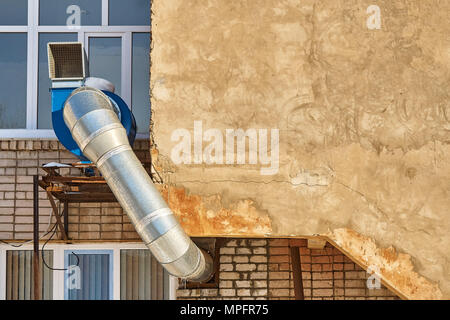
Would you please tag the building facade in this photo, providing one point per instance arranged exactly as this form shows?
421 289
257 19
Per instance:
310 118
340 214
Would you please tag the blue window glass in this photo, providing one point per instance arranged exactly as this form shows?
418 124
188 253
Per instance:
88 275
129 13
44 84
13 12
67 12
141 81
105 60
13 80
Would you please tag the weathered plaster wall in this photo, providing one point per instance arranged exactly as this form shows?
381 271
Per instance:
364 119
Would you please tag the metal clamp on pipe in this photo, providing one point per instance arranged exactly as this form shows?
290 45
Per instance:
95 127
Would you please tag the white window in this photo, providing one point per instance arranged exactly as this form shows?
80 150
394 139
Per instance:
115 34
123 271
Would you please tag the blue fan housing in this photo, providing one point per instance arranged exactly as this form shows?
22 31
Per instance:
59 97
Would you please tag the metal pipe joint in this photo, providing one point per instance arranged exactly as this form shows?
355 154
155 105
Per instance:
91 118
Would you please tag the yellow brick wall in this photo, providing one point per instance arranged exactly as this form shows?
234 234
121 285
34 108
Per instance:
19 161
259 269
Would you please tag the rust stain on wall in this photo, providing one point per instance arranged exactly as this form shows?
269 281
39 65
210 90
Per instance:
206 216
396 269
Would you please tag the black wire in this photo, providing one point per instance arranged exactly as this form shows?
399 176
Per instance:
28 241
12 245
42 252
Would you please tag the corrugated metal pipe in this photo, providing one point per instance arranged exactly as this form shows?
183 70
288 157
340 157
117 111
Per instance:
90 116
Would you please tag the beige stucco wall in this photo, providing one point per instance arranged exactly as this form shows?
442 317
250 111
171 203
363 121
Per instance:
364 120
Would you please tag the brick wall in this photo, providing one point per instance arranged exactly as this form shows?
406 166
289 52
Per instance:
281 284
243 272
262 269
19 161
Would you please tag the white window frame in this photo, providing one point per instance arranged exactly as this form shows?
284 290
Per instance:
127 47
108 252
58 262
32 30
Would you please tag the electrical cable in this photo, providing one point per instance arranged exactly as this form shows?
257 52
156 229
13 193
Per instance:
28 241
53 229
23 243
42 253
13 245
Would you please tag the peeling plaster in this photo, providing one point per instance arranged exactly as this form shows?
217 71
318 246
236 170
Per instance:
204 216
396 269
363 117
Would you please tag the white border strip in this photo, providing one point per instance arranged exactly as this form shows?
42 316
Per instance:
2 273
41 134
116 273
93 29
105 12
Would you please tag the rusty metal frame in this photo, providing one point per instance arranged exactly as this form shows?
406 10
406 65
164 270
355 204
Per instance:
73 189
63 189
36 269
66 189
57 216
297 272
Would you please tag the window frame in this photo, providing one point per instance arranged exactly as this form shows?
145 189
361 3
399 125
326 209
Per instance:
110 254
33 29
127 49
59 252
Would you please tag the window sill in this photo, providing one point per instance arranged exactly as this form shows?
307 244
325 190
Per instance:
40 134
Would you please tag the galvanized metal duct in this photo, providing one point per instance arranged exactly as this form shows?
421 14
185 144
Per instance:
90 116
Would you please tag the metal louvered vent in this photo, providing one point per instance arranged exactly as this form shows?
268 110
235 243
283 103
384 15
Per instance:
66 60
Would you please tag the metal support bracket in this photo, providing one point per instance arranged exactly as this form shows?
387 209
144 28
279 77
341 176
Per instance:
61 227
